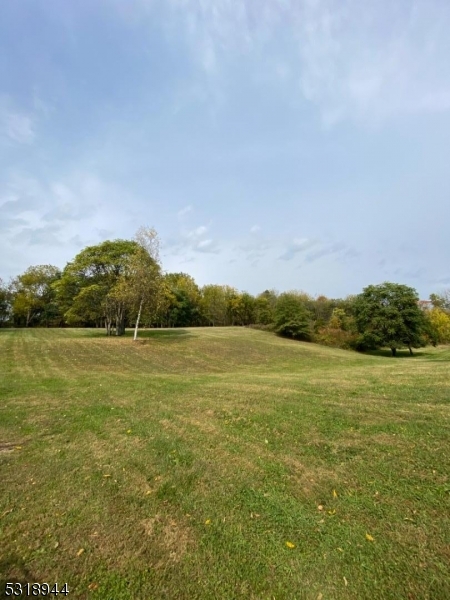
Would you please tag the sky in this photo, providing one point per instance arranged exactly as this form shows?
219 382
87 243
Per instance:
273 144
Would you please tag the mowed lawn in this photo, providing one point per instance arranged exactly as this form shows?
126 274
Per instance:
222 463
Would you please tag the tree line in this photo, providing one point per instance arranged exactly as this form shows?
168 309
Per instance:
120 283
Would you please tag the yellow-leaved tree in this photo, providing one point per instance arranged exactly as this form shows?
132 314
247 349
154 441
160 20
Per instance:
440 321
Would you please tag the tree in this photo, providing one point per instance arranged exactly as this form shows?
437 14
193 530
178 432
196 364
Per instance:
265 305
142 280
440 323
5 303
87 306
291 317
338 319
388 315
441 301
242 308
89 289
33 296
182 300
214 304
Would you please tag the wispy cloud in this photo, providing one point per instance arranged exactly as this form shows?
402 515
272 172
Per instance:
15 125
352 59
192 241
371 60
52 214
297 246
184 211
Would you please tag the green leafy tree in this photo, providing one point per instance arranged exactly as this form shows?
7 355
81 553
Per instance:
388 315
441 301
292 319
338 319
321 309
182 299
87 306
33 296
265 305
243 308
5 304
214 304
99 268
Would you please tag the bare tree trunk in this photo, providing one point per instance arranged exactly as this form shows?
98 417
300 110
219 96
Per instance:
108 324
136 327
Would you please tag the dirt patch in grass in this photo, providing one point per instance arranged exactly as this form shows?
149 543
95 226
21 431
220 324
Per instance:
10 447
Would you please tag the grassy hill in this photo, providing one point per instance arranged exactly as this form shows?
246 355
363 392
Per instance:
222 463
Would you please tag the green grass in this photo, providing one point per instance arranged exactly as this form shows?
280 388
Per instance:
182 465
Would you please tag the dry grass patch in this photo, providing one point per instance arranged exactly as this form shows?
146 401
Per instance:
171 534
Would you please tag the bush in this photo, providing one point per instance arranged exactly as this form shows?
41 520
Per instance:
336 338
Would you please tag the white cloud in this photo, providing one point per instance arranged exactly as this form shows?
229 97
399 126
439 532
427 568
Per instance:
192 241
196 233
204 244
255 229
68 214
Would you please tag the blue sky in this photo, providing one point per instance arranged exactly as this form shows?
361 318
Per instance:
272 144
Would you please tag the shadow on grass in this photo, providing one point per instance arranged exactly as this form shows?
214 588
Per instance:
14 571
400 353
164 335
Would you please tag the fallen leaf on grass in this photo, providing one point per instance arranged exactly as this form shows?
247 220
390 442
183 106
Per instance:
93 586
345 581
335 494
290 545
369 537
320 507
80 551
208 522
107 475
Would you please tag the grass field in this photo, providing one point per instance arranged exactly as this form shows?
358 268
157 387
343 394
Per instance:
222 463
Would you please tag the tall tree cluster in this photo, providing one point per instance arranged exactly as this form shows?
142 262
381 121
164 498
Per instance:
120 283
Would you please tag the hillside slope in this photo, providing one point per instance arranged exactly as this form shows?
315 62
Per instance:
222 463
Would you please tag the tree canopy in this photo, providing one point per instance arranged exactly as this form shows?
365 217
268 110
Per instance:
89 289
291 316
388 315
